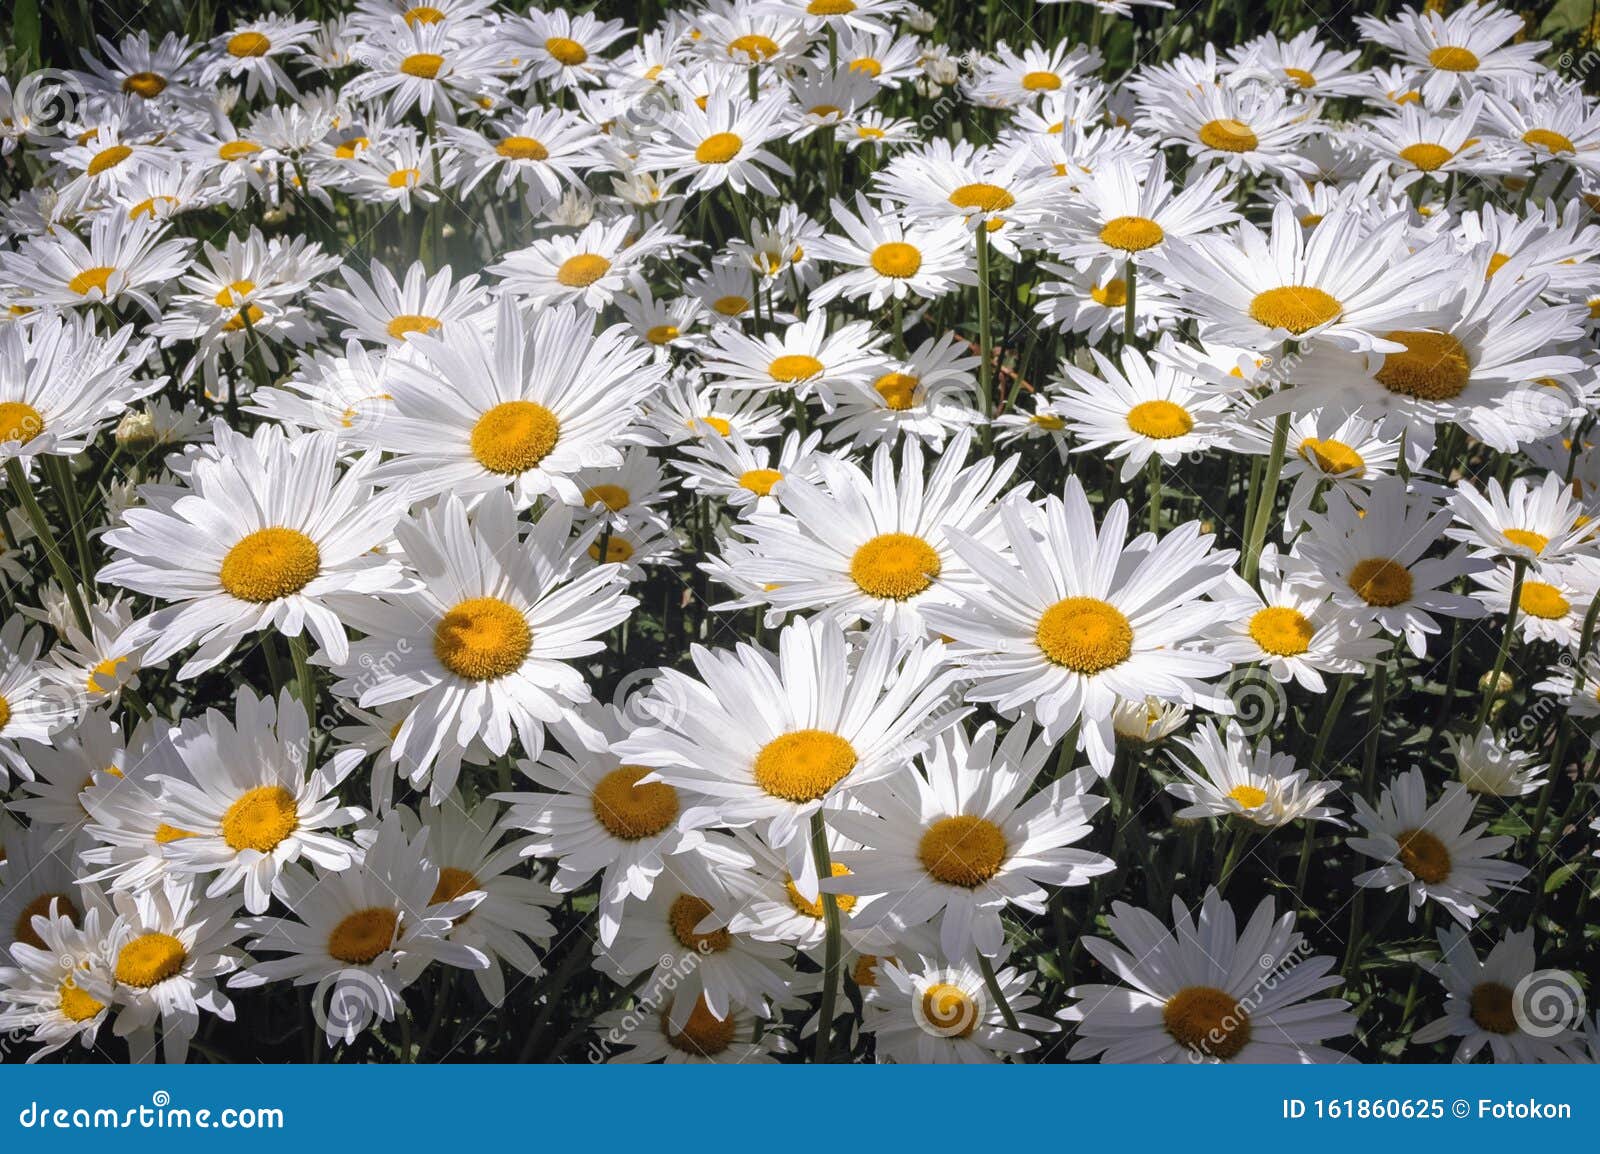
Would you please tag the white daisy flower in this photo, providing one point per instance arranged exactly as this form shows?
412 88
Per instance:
1257 785
1481 996
1487 765
59 991
924 1011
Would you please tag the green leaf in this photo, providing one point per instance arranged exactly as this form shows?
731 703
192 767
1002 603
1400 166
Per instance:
27 33
1560 877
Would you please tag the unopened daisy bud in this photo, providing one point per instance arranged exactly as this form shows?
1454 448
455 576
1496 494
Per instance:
1142 723
1498 689
136 431
921 20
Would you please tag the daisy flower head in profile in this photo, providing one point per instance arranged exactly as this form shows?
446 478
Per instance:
1262 787
771 737
927 1011
255 52
62 381
1419 142
566 49
855 546
521 407
1459 51
361 935
1328 449
1207 991
1347 281
984 187
1535 521
805 357
434 68
543 151
1487 765
591 267
1372 563
385 310
745 477
30 708
1296 632
249 804
266 533
928 395
482 642
125 258
723 141
1429 849
1482 1006
1241 125
1141 410
1302 62
1129 208
736 1039
1007 78
593 814
167 948
1070 617
961 841
59 991
891 257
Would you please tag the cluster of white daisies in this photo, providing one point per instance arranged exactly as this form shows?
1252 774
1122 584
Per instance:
688 471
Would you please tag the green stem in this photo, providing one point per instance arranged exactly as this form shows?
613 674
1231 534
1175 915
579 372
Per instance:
992 984
1267 499
47 539
1518 572
1130 281
834 949
304 676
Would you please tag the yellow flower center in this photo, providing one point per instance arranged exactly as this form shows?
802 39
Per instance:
522 148
704 1035
5 720
91 280
896 259
167 834
514 437
245 44
631 811
482 638
1084 634
19 422
269 564
77 1006
1433 366
1539 599
1113 294
943 1003
868 65
1425 156
452 884
718 425
719 148
617 551
1297 308
108 158
566 51
1132 233
962 851
983 197
1041 82
1048 421
1248 796
249 315
349 148
1301 77
362 936
405 324
731 306
149 960
814 909
238 149
1159 420
898 390
686 913
1281 631
894 566
423 14
106 669
662 334
582 270
831 7
39 907
613 497
1334 457
1381 582
759 481
148 206
794 367
261 819
422 65
754 47
1449 58
1527 538
148 85
1548 140
1228 135
404 177
804 765
1207 1020
1424 855
1492 1008
865 972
